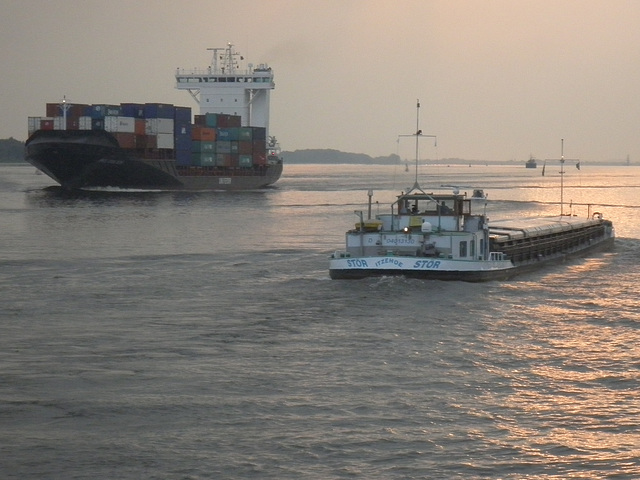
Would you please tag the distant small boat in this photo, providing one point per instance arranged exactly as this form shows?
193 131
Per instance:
531 163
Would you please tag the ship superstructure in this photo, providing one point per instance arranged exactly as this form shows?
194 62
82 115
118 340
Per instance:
227 87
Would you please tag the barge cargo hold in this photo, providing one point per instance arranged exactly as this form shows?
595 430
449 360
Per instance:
158 146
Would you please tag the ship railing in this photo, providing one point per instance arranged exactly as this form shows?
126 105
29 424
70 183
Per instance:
497 256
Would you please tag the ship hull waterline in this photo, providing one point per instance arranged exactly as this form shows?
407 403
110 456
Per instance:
93 160
353 268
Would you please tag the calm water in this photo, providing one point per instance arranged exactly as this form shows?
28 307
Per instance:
189 336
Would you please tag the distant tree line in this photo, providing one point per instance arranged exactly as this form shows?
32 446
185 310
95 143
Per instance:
336 157
11 150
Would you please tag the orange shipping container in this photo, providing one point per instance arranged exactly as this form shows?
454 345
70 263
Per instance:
125 140
140 126
203 134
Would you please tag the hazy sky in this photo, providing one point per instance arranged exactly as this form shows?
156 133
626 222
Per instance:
497 79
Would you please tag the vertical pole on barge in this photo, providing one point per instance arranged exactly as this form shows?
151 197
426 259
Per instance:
561 176
418 134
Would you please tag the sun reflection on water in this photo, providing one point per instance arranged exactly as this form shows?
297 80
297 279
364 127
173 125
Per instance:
573 370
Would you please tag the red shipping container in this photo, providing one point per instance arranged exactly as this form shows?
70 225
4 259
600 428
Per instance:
77 110
126 140
200 120
53 110
139 127
74 110
235 159
259 146
228 121
150 141
140 140
235 121
245 148
222 120
203 134
259 159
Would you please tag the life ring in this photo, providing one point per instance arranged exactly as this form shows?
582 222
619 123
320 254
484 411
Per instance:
597 216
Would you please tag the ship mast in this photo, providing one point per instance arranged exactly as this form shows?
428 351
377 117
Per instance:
64 106
562 172
417 136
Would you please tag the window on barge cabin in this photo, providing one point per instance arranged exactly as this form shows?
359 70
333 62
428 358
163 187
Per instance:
463 249
446 207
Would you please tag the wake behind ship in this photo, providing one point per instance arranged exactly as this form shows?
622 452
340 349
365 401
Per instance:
158 146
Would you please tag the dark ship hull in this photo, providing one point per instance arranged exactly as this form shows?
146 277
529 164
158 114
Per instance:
93 159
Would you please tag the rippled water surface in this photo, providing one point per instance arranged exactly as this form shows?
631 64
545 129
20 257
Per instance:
182 335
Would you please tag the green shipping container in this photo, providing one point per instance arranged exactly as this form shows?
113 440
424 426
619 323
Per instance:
245 134
203 147
203 159
211 120
245 161
223 146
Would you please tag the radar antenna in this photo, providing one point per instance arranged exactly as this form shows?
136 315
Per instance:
417 135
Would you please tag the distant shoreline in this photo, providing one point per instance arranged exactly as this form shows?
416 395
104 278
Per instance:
12 152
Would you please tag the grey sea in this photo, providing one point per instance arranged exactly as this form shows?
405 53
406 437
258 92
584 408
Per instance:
149 335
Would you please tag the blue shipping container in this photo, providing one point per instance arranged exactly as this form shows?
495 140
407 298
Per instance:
159 110
183 142
182 115
135 110
183 158
258 133
228 133
101 111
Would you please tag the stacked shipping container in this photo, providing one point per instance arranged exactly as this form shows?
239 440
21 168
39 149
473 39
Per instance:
220 141
159 130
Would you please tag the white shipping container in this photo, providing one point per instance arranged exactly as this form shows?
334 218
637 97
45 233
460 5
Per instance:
150 126
165 140
119 124
84 123
154 126
33 124
59 123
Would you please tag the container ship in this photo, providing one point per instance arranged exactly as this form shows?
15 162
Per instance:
160 146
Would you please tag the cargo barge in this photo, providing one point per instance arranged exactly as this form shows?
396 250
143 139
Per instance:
158 146
438 236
